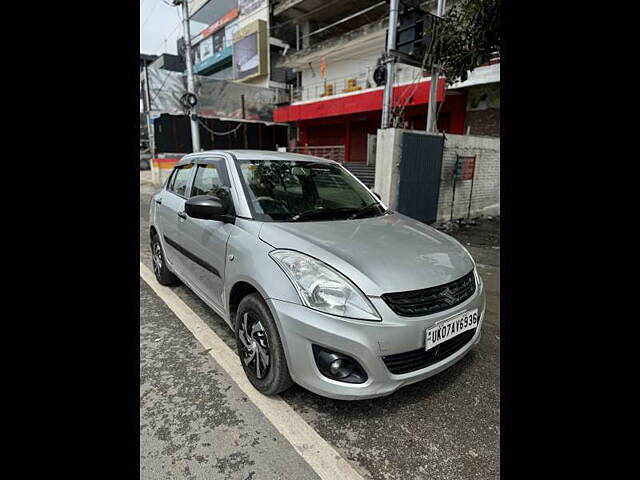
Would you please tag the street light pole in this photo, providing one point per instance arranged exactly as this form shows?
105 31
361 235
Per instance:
435 76
390 61
195 129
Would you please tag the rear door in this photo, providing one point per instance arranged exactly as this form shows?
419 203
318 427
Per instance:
170 214
205 241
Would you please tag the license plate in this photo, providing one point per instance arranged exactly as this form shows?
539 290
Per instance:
442 332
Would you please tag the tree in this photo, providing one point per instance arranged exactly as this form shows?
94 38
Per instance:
466 37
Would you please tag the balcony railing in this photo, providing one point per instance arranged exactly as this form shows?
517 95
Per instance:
351 83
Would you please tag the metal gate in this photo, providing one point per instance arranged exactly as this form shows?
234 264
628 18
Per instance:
420 169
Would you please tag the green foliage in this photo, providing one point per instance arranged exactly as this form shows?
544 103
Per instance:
467 37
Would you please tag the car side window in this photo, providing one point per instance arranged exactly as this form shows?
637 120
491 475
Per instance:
211 179
169 180
180 180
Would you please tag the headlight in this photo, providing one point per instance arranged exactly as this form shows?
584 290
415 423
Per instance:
322 288
475 267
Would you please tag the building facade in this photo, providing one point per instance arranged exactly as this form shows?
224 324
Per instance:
336 101
324 54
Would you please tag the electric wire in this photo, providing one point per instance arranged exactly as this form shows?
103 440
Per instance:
149 16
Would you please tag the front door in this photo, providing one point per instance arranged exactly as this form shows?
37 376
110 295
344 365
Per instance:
205 241
171 214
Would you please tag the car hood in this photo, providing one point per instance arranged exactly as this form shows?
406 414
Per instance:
389 253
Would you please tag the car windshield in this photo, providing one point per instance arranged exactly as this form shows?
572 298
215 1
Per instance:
301 191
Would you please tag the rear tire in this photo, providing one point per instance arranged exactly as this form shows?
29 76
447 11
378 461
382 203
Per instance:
160 268
260 348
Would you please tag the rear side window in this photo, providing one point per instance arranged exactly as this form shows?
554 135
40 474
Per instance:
180 180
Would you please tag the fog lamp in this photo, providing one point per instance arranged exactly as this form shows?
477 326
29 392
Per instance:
338 366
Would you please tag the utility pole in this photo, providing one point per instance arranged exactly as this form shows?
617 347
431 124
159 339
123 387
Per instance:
150 132
390 61
435 76
195 128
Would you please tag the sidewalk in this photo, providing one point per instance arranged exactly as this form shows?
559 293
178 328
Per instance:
146 186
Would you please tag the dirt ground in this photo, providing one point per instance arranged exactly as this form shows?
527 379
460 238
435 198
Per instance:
479 232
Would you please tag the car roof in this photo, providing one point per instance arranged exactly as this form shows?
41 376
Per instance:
258 155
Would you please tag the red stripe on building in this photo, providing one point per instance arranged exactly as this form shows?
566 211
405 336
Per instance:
357 103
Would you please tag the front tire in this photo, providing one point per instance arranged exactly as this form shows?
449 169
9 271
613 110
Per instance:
160 268
259 347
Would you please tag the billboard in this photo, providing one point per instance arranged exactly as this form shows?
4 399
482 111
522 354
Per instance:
250 51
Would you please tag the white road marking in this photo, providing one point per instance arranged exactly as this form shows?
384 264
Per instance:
322 457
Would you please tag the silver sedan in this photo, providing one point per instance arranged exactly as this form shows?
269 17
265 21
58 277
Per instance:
322 284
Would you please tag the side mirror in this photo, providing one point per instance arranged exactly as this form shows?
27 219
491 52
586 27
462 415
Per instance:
208 207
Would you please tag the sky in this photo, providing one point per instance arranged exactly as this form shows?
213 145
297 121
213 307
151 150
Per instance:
159 22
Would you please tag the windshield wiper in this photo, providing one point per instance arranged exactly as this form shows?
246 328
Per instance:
366 209
318 212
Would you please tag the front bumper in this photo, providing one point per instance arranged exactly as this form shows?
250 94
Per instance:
365 341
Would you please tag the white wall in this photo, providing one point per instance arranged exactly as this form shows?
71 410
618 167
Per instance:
486 187
348 61
347 66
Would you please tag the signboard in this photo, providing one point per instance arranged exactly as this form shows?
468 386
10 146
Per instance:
221 22
248 6
250 51
465 168
468 167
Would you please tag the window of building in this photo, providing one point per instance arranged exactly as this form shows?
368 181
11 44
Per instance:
206 48
218 41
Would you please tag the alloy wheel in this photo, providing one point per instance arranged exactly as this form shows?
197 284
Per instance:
255 345
157 258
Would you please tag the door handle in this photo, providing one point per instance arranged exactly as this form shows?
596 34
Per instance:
182 215
159 202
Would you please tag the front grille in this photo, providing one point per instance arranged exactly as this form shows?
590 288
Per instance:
417 359
431 300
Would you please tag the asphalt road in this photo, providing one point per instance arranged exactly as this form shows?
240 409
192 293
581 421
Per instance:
195 423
